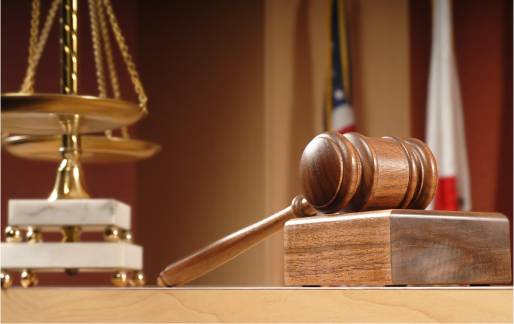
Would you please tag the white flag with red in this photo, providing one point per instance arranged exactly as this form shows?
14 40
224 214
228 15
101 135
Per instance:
445 122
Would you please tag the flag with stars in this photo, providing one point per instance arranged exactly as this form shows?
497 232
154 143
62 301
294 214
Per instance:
339 114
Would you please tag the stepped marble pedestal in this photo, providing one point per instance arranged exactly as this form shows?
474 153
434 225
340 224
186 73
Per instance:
116 254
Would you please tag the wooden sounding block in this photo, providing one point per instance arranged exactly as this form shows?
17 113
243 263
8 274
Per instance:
398 247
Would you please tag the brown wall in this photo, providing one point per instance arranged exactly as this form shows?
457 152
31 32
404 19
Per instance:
483 46
380 80
204 74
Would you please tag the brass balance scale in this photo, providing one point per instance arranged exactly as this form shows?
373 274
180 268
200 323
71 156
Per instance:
72 128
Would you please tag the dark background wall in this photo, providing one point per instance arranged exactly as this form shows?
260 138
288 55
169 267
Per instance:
205 76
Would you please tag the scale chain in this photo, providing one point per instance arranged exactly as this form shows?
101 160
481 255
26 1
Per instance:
110 61
34 30
131 67
108 51
97 49
97 18
35 51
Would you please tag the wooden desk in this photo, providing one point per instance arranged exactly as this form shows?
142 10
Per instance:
470 304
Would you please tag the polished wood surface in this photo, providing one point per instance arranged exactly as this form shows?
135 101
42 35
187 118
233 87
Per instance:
354 172
257 305
450 247
338 172
398 247
330 172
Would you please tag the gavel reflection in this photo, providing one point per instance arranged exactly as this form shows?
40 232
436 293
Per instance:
339 173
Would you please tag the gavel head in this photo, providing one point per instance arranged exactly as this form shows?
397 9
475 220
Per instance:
353 172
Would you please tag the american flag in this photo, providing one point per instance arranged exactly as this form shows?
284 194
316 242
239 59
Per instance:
339 113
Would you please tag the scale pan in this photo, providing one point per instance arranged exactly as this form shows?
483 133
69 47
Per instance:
95 148
40 114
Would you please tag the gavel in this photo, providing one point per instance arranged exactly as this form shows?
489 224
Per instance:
339 173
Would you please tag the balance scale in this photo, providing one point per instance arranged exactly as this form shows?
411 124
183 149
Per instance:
69 128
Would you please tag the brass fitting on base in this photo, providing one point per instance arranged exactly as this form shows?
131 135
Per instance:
28 278
137 279
33 235
6 280
13 234
120 279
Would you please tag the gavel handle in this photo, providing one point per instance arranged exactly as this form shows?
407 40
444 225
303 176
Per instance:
227 248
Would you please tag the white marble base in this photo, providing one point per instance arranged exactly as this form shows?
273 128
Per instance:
87 256
90 214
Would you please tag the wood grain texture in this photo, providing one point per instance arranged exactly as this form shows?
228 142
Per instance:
230 305
334 250
330 172
352 172
385 172
443 247
428 173
398 247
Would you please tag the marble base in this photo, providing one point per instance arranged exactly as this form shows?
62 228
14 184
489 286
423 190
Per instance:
90 214
86 256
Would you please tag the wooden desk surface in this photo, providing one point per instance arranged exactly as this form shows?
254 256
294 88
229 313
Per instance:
470 304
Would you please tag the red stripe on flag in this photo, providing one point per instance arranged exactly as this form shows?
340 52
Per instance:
347 129
446 195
